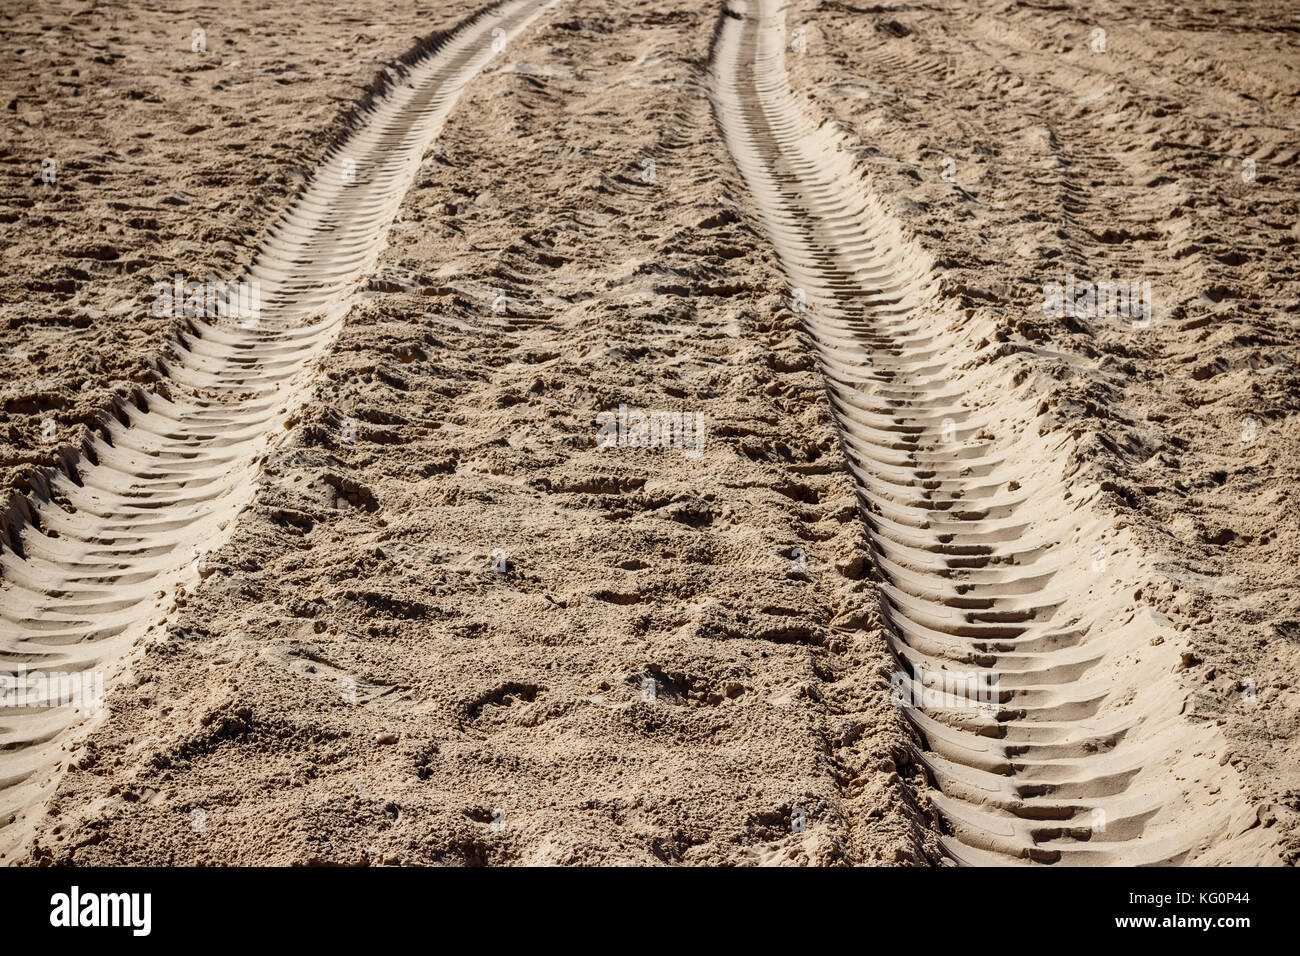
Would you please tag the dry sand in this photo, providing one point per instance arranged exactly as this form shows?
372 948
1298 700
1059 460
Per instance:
364 586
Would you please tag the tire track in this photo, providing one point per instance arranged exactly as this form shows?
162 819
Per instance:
1044 694
94 558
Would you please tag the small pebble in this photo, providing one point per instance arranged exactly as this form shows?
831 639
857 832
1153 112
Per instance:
385 738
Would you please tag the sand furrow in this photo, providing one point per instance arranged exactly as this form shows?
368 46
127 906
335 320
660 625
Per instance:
1043 688
93 559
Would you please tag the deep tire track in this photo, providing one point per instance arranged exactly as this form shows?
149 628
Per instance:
1083 757
93 558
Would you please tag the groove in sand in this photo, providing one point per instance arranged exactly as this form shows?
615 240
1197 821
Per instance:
982 546
90 563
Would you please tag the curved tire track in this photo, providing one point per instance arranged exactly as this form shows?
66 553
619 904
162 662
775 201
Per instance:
1080 755
93 558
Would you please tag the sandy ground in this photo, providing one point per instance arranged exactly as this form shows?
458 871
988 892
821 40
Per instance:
448 627
1128 163
165 161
